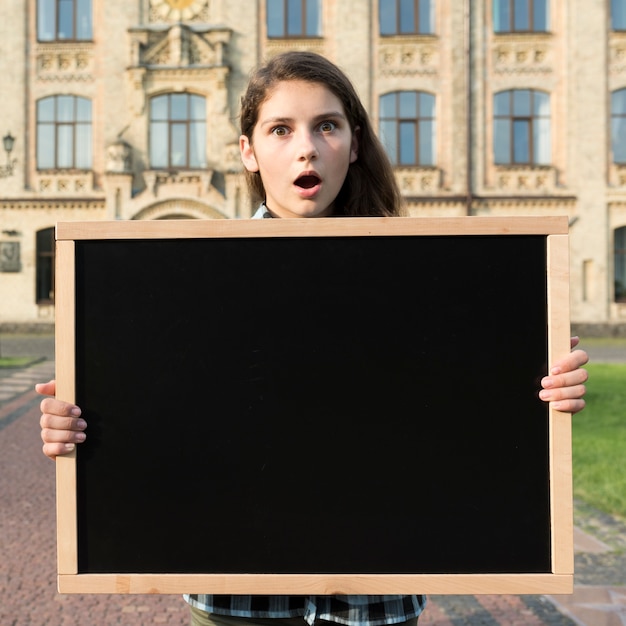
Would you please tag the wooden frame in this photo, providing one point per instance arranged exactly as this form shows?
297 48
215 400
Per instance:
555 577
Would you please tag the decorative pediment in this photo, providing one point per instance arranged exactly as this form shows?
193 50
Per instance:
179 46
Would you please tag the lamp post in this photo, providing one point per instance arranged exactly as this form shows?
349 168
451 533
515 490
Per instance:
7 170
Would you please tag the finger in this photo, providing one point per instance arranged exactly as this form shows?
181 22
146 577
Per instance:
46 389
572 405
53 450
563 381
54 435
572 361
54 422
53 406
574 341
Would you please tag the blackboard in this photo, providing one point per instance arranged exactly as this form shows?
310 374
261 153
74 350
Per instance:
305 400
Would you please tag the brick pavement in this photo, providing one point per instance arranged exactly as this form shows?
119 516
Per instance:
28 595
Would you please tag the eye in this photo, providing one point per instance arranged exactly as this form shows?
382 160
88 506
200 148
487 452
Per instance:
279 131
327 127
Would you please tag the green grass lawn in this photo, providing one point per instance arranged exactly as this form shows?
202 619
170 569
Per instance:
15 361
599 440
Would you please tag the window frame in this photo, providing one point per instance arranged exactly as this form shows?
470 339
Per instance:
419 6
173 124
532 121
57 140
418 121
531 14
305 6
614 119
78 9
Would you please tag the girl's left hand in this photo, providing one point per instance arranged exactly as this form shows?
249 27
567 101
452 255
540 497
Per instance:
564 387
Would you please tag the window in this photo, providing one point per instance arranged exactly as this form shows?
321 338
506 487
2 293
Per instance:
177 131
64 133
407 127
521 133
618 14
45 266
514 16
618 126
64 20
294 18
620 264
406 17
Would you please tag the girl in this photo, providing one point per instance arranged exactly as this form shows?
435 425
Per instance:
309 151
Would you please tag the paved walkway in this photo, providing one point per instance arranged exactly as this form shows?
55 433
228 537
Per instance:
28 594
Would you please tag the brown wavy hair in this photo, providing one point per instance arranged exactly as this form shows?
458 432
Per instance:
370 187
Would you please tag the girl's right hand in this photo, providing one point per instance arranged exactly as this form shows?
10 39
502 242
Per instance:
61 424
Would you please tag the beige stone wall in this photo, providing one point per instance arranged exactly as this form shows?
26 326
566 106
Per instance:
139 51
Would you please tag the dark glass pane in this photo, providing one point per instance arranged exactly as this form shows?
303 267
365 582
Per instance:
618 139
159 108
45 146
158 144
387 17
521 143
427 142
294 17
502 141
502 103
618 102
65 109
407 143
66 19
83 19
65 146
427 105
618 14
275 18
521 15
45 20
408 104
426 18
407 16
501 16
620 264
521 102
45 109
313 21
178 146
388 105
540 16
179 106
388 136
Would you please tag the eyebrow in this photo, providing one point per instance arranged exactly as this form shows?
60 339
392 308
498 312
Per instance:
317 118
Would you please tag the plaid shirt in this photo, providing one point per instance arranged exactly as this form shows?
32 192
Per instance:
350 610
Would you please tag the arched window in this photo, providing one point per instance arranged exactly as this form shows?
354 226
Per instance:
407 127
521 133
64 20
44 290
618 126
406 17
294 18
64 133
178 131
619 247
521 16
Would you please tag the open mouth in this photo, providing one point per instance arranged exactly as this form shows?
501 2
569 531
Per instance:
307 181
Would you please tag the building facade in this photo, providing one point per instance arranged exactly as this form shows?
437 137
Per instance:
118 109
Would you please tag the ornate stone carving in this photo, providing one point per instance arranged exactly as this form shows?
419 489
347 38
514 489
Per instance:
418 180
119 158
408 59
523 57
65 62
526 180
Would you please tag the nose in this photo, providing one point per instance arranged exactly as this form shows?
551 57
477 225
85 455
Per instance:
307 148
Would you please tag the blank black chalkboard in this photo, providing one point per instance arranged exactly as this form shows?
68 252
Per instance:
313 405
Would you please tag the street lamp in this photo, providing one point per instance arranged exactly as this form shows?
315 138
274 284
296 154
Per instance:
7 170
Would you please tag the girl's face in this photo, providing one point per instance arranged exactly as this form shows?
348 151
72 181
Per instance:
302 146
